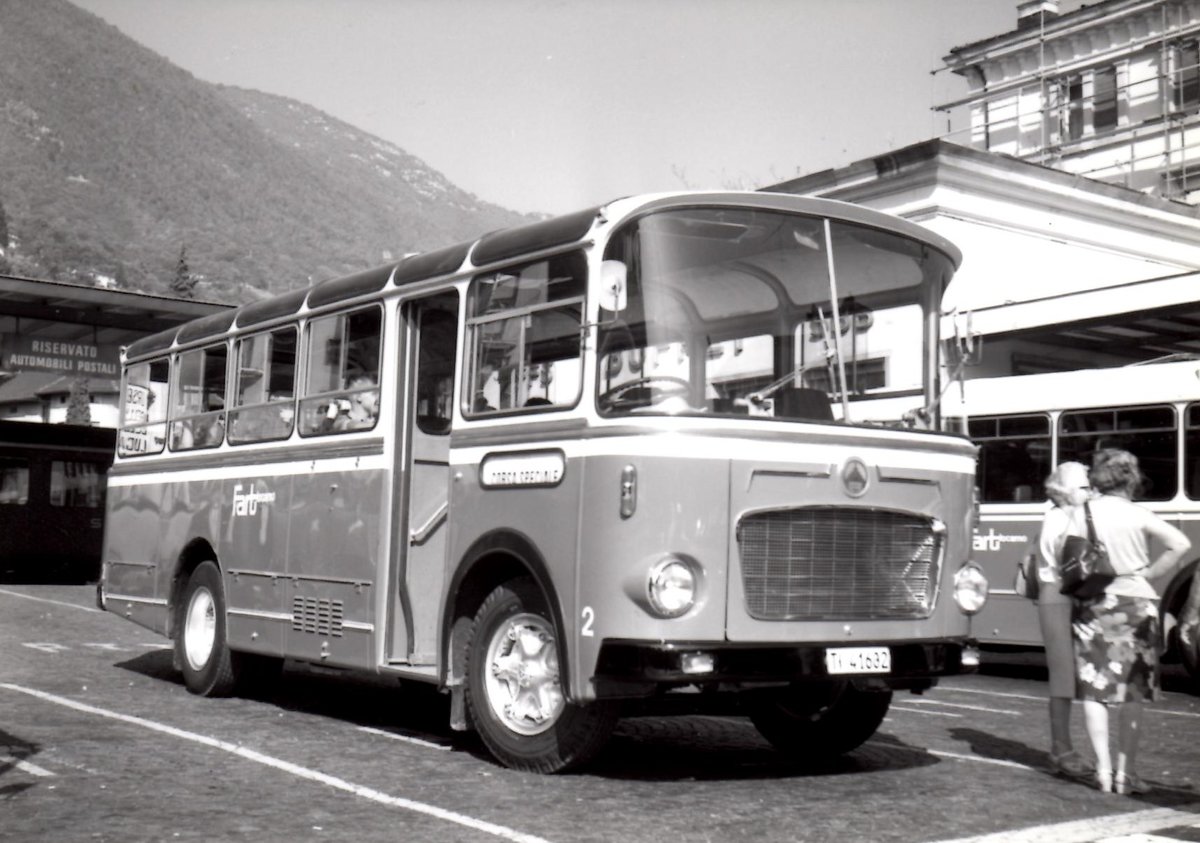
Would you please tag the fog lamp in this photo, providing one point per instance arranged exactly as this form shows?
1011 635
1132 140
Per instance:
697 663
970 588
970 657
671 587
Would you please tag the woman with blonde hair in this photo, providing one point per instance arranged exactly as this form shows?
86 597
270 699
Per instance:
1117 633
1066 487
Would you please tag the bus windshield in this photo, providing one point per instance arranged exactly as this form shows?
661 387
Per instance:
763 313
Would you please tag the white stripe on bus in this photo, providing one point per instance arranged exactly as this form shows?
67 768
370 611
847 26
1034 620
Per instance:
163 473
287 767
694 447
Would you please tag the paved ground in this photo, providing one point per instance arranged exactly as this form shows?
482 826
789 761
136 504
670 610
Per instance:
100 741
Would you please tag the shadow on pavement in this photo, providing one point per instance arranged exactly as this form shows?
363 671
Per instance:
644 747
12 750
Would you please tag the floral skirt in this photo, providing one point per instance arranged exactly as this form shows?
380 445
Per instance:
1116 649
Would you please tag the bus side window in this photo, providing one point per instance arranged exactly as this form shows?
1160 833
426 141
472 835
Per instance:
76 484
144 409
341 390
1191 452
14 481
526 328
1149 433
198 409
1014 457
264 407
436 362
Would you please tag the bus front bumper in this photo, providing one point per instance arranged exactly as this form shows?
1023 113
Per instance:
637 668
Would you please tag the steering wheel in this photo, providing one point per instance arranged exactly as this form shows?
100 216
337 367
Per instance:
641 392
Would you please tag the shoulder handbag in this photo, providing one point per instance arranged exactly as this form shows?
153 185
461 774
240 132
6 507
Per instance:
1084 565
1025 583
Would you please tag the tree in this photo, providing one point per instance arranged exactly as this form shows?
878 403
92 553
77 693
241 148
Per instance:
183 284
79 406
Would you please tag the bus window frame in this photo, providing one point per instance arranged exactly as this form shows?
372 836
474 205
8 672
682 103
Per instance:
470 362
1116 432
181 427
330 404
144 428
284 408
1037 493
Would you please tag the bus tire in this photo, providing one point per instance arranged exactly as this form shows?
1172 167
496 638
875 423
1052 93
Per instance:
209 668
515 697
819 721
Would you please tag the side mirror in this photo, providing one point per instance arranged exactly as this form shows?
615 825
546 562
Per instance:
612 284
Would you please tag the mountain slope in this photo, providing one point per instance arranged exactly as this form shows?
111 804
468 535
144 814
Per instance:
113 160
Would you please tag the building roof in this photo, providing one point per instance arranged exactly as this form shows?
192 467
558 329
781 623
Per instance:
79 313
1052 24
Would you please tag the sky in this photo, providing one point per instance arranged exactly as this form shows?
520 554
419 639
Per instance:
552 106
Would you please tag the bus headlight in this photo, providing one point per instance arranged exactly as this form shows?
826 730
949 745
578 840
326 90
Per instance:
970 588
671 587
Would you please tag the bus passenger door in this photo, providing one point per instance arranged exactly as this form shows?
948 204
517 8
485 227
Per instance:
432 342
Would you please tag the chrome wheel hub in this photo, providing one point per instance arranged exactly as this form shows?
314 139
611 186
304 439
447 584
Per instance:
523 687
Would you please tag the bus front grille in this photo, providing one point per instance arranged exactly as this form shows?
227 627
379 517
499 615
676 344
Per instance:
317 615
822 563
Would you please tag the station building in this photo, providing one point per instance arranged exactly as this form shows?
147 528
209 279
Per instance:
59 393
1070 185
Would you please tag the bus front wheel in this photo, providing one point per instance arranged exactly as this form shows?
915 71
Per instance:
821 721
208 665
515 695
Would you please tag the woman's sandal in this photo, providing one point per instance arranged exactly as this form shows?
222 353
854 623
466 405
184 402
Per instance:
1130 784
1103 781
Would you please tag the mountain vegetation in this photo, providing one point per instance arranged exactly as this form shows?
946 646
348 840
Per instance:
116 167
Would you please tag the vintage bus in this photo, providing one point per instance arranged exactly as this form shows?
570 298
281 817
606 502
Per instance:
567 465
1024 425
52 500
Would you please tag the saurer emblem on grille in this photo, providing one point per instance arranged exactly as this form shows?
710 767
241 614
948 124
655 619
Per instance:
855 478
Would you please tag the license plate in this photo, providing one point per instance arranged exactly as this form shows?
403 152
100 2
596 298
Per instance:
840 660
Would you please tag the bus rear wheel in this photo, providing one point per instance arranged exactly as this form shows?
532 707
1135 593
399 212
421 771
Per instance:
821 721
515 695
209 668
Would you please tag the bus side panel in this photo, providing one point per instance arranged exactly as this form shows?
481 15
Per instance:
999 544
682 506
253 553
334 536
152 524
131 561
547 516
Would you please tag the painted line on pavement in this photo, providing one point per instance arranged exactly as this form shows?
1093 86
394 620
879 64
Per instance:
1033 698
923 711
1007 694
923 701
406 738
23 765
1084 831
48 600
954 756
287 767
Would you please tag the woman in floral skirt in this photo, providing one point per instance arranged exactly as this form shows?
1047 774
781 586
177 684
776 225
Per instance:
1117 633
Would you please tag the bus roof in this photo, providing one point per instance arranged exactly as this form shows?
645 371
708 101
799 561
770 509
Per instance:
1147 383
505 244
